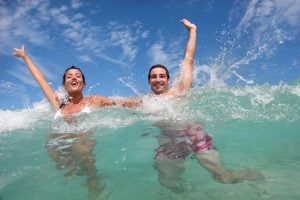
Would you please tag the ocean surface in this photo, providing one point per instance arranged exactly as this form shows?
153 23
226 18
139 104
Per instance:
255 127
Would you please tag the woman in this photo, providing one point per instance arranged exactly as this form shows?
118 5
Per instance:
74 83
72 151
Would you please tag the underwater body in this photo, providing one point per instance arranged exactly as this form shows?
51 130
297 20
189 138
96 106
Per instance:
253 127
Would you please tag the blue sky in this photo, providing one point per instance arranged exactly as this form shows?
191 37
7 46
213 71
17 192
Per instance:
115 43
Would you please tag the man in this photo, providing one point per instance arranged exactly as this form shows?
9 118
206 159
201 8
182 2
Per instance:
158 76
177 140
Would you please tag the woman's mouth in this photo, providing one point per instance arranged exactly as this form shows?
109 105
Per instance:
74 83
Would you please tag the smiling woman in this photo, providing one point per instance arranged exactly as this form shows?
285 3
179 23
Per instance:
246 58
72 151
74 83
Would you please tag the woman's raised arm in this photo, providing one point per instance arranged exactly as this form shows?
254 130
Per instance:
39 77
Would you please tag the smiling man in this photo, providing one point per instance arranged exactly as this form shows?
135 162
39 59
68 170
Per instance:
158 75
158 79
178 139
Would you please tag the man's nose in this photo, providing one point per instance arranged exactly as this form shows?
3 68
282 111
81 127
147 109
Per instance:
157 79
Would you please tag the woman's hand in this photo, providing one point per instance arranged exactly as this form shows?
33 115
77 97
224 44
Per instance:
20 52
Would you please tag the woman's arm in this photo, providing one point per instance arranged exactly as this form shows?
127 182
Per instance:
39 77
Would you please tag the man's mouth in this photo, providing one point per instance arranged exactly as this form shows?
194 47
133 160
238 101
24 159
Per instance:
159 84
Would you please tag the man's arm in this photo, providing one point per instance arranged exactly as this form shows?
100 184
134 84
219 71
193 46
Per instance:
129 102
186 73
101 101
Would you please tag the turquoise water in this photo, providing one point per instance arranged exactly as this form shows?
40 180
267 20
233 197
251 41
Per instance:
256 127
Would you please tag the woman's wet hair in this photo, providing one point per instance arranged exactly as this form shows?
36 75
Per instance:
73 67
158 66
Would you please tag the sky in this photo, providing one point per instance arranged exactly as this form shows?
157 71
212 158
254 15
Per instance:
245 42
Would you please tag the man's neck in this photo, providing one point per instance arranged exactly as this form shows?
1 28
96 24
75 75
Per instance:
162 94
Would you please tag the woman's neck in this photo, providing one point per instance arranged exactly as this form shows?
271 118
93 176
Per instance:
75 99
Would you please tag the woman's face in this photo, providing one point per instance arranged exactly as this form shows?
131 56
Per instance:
74 81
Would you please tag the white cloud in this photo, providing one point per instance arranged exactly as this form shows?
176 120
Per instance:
271 16
124 39
209 5
166 53
78 16
22 73
86 37
249 14
158 55
76 4
291 12
33 22
85 58
59 15
19 24
144 34
11 89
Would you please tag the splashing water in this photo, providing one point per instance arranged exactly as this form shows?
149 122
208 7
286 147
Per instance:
253 126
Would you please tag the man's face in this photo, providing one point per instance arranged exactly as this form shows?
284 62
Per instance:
158 81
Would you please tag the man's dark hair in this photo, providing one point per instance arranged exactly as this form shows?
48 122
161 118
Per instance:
158 66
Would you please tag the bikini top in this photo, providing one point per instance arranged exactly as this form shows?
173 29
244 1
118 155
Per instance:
76 123
58 113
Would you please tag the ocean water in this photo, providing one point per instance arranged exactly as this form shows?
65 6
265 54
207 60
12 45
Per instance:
251 126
